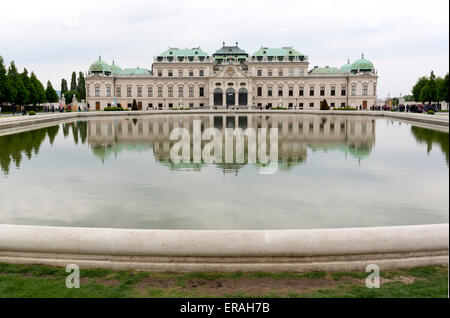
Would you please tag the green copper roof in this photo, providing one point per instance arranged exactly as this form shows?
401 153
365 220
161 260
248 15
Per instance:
346 68
284 51
230 50
99 66
115 69
326 70
135 71
362 64
183 52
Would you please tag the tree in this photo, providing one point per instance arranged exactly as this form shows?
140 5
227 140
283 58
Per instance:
81 86
324 105
64 88
37 95
428 93
134 105
417 89
13 82
73 82
5 85
20 93
69 96
50 93
442 89
29 89
408 98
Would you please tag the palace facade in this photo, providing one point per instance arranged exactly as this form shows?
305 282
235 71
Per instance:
271 77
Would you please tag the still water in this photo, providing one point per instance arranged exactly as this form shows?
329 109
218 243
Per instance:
333 172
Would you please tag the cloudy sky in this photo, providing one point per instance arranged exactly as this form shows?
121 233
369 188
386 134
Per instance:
404 39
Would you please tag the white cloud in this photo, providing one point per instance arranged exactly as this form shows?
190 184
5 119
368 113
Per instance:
54 37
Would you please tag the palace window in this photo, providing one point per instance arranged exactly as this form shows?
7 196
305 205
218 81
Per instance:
170 91
301 105
353 90
280 91
311 104
311 91
259 72
160 91
333 90
270 73
128 91
302 72
259 91
374 89
97 91
108 91
180 91
300 92
291 91
150 91
169 73
291 72
322 91
365 89
342 104
280 72
88 91
343 91
201 91
191 91
180 73
191 73
139 91
159 73
118 91
332 105
201 73
269 92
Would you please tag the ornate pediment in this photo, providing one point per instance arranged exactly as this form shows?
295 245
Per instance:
230 71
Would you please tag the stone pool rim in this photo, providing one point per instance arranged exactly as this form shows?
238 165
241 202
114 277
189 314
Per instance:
225 251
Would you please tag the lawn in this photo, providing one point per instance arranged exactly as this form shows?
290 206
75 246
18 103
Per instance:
42 281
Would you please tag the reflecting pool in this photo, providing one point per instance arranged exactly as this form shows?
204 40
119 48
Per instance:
333 172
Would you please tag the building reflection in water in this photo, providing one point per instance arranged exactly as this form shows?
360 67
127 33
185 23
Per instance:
354 135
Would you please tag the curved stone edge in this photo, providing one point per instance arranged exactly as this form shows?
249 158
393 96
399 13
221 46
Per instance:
284 250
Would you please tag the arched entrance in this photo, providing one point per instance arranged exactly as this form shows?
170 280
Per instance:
243 97
231 97
218 97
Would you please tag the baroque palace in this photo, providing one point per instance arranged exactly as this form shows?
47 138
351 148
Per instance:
230 78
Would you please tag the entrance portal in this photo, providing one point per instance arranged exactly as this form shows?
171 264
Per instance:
231 97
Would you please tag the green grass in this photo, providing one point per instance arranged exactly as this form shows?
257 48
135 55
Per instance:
32 281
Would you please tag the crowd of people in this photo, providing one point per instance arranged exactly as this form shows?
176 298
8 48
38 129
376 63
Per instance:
413 108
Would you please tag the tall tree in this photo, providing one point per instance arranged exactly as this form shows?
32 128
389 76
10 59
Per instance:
417 89
5 86
20 92
37 94
442 88
73 82
81 86
64 88
29 89
13 81
50 93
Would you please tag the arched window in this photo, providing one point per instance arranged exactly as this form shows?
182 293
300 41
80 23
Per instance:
243 97
218 97
231 97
